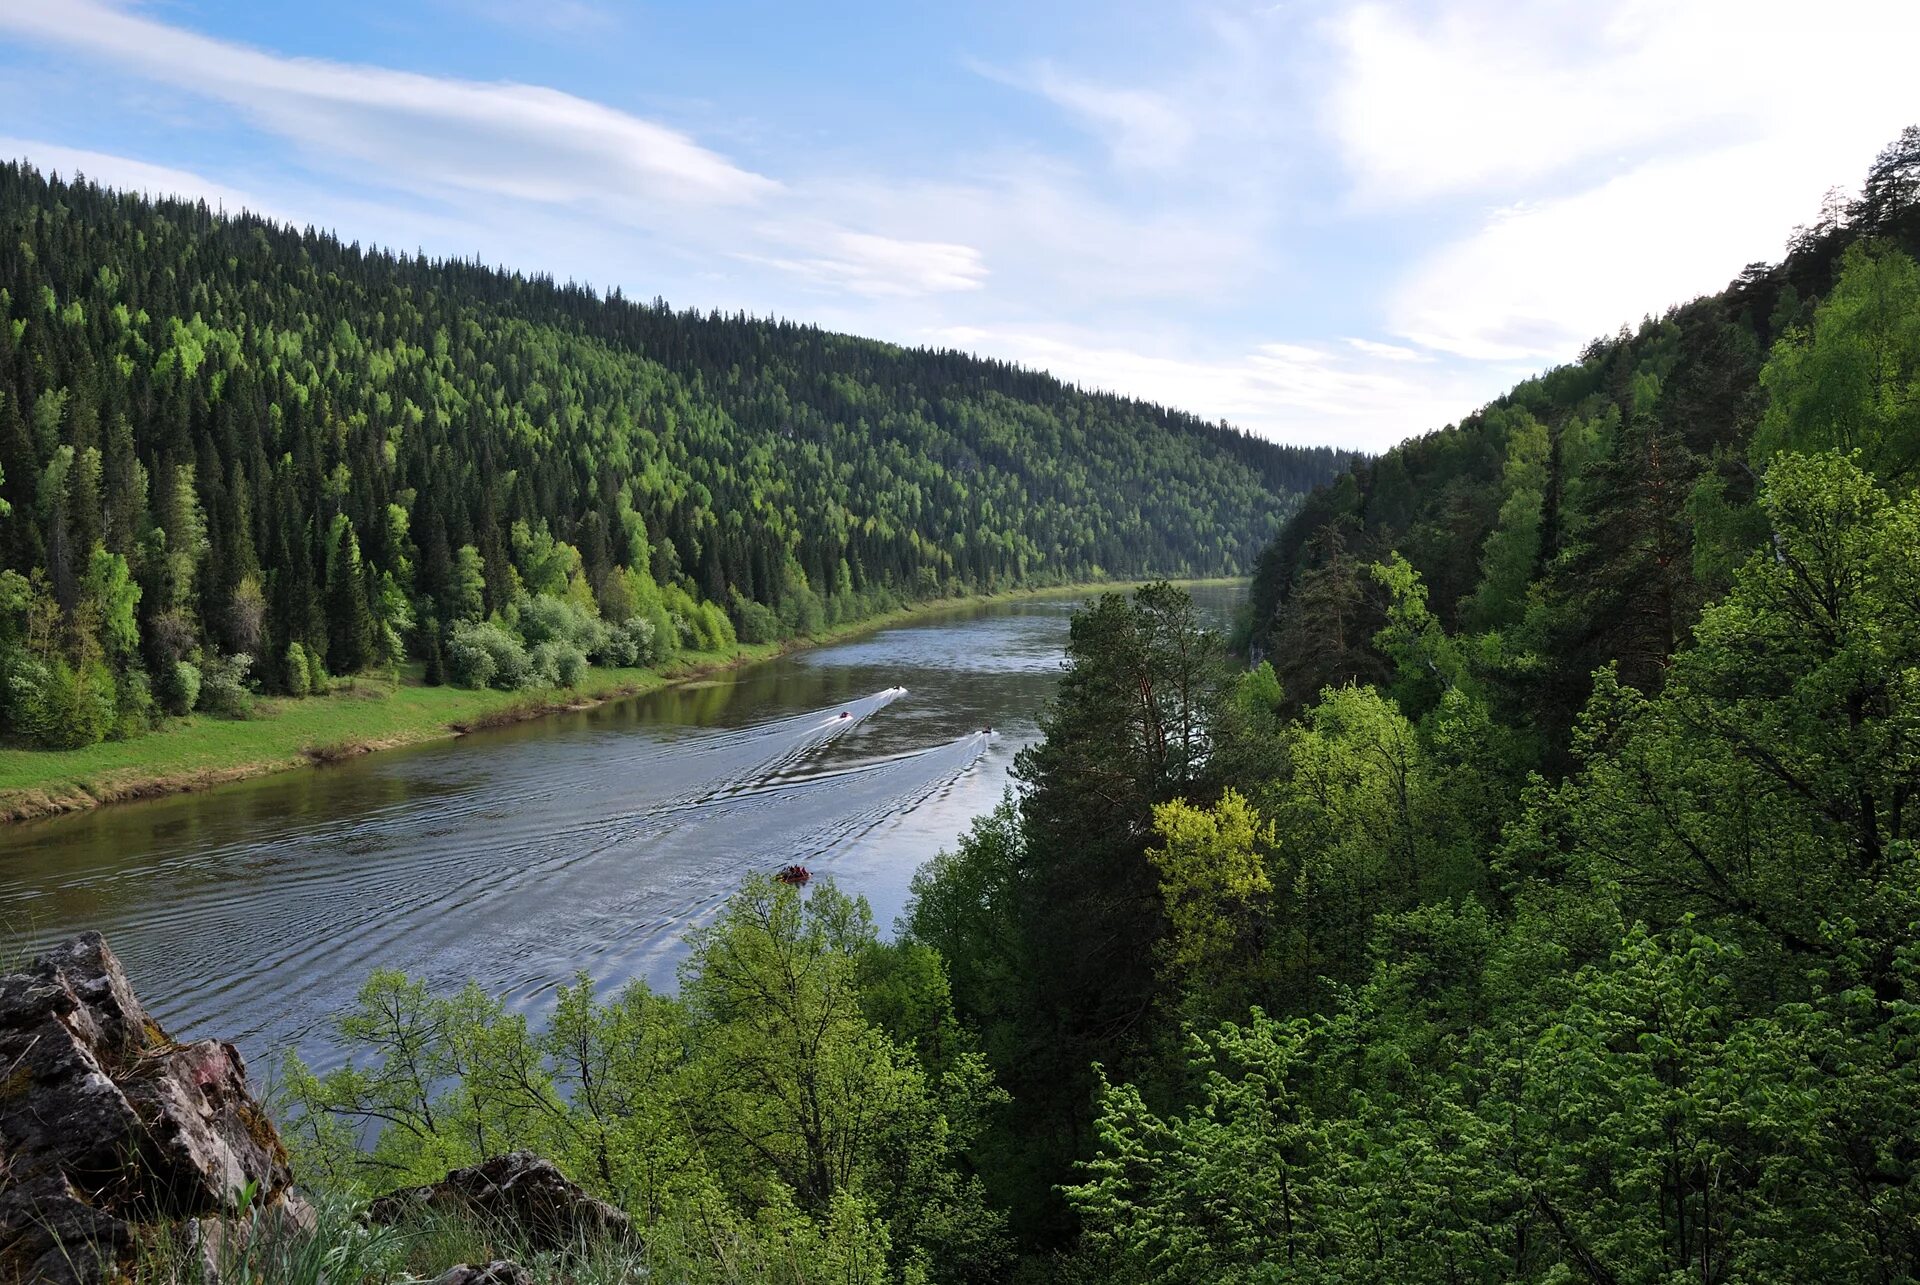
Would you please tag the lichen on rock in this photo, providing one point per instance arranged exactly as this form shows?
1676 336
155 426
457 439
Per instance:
106 1124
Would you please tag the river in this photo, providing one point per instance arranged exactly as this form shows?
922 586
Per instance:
582 842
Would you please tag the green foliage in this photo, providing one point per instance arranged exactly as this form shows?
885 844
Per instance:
1853 383
317 680
114 596
298 682
1050 911
292 440
484 654
223 685
1667 1049
763 1113
60 705
1213 877
1766 785
1564 929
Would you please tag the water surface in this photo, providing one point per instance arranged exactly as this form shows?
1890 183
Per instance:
582 842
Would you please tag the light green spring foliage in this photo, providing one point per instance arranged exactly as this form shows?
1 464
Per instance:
1853 383
1213 878
1682 1044
791 1103
1511 555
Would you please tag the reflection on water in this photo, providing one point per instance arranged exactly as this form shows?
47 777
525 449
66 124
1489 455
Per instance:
585 842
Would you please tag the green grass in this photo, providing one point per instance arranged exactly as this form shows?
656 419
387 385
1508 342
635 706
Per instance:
362 714
365 713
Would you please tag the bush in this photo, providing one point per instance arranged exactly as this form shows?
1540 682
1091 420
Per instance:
183 693
176 686
317 682
59 706
716 629
223 685
556 664
298 682
757 622
631 642
560 620
133 699
13 682
26 679
482 654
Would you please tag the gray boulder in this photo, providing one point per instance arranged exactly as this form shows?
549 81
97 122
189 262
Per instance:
518 1192
107 1124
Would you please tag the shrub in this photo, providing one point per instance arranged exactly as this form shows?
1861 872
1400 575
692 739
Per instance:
13 660
176 686
184 691
556 664
757 622
133 699
317 681
631 642
223 685
298 682
435 672
560 620
59 706
716 629
482 654
27 678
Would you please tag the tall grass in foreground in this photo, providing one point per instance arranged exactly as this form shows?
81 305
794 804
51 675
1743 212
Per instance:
343 1248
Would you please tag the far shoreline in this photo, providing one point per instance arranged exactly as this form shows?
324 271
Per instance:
287 734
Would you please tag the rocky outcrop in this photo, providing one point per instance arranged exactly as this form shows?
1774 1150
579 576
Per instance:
495 1273
518 1192
107 1124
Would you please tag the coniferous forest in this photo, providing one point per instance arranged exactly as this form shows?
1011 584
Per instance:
239 457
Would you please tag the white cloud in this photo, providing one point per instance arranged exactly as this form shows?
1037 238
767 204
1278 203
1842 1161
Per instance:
880 266
1295 392
1537 281
426 133
1141 129
1627 158
1482 95
1385 351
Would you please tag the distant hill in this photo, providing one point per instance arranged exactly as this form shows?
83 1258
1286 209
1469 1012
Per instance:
1584 518
278 438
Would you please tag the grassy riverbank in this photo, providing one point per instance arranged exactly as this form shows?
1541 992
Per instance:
359 716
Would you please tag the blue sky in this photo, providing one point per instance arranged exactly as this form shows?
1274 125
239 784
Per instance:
1322 220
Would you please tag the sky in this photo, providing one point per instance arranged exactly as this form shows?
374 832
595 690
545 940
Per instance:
1323 221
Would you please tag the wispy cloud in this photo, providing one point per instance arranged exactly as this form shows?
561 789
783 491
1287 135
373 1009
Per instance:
429 133
880 266
1294 391
1624 159
1140 129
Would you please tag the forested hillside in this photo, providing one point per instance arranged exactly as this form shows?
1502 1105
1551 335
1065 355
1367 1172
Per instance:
235 455
1544 909
1586 517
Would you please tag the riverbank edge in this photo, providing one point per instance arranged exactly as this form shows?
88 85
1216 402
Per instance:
63 791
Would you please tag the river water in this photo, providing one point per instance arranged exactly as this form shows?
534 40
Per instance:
582 842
